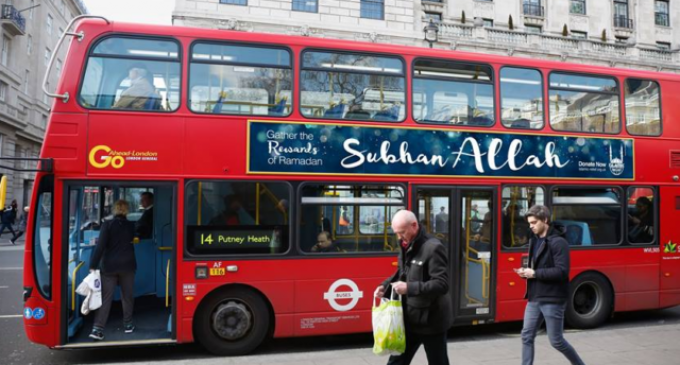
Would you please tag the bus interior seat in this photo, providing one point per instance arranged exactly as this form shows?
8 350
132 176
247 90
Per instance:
336 111
388 114
521 123
358 114
153 103
278 108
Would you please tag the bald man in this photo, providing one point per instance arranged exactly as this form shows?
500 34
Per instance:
422 278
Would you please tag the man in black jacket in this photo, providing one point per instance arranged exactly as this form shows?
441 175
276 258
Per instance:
422 278
547 285
144 226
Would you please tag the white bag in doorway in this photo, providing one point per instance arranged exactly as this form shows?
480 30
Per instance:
91 288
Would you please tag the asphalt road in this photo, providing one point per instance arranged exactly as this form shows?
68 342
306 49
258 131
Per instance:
16 349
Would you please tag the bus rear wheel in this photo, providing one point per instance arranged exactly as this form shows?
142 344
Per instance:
590 301
232 322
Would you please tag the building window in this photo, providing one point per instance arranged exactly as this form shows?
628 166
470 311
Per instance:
309 6
436 17
43 121
488 23
58 68
44 96
48 55
5 50
643 107
661 14
29 45
3 90
584 103
26 77
664 46
31 7
535 29
579 35
49 24
621 40
234 2
373 9
533 8
62 6
621 19
578 7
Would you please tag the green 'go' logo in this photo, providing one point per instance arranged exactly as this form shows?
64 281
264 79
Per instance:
671 247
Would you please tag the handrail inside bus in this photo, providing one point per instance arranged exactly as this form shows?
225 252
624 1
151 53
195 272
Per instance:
81 35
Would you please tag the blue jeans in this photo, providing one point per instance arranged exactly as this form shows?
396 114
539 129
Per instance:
553 314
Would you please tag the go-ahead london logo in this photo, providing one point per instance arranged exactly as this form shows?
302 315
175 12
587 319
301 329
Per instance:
102 156
333 295
671 247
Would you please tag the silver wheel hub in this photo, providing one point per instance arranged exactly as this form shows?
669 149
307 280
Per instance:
232 320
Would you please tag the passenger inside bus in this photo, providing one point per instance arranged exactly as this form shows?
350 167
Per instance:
233 213
641 222
141 93
325 243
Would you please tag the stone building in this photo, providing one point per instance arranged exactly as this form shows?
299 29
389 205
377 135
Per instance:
622 33
30 30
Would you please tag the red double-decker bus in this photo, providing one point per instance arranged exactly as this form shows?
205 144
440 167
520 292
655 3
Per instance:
277 162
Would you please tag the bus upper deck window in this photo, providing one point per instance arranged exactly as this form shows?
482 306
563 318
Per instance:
643 107
352 86
446 92
240 79
583 103
130 73
521 98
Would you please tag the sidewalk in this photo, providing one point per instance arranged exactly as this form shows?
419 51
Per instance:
652 345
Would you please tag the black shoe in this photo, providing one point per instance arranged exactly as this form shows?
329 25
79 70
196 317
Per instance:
96 334
13 240
129 328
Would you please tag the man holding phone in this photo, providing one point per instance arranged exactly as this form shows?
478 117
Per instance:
547 278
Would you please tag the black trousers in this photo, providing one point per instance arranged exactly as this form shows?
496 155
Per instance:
435 349
126 281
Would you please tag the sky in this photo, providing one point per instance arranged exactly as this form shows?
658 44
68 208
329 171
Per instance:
133 11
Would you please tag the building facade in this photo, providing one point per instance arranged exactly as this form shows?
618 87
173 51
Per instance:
30 30
640 34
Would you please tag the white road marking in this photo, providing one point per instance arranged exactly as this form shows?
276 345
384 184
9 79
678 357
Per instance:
11 316
11 268
4 287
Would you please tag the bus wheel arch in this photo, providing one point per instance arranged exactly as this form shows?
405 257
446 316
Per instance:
233 320
591 300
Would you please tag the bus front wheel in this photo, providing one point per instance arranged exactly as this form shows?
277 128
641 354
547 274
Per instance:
232 322
590 301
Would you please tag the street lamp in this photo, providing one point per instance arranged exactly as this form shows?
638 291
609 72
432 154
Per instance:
431 32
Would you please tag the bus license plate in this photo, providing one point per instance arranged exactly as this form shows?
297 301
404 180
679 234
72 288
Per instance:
218 271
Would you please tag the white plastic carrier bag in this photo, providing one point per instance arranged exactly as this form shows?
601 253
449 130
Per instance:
91 288
388 326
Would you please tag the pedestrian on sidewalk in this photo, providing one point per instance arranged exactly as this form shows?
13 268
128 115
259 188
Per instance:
21 226
547 285
7 220
422 278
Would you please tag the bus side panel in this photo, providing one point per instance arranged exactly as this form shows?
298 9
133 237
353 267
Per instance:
510 288
67 142
670 247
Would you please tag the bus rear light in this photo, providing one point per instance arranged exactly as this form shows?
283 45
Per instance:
189 299
667 274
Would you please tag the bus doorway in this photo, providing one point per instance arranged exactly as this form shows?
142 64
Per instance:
152 210
464 220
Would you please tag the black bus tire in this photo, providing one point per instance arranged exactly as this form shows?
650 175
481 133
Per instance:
232 322
590 301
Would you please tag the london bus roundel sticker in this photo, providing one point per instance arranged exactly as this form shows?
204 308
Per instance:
333 295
